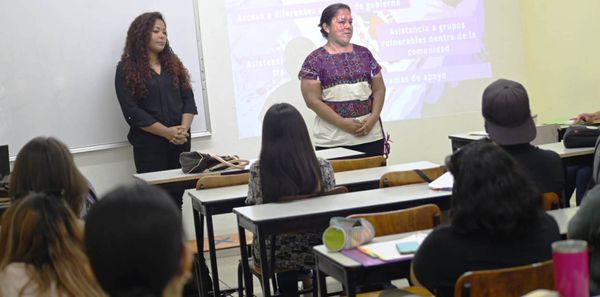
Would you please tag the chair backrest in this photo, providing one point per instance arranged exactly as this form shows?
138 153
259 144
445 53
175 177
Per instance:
336 190
550 200
404 220
358 163
400 178
216 181
508 282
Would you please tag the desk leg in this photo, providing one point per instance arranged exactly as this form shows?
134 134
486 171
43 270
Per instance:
199 228
213 254
321 282
350 286
564 200
245 268
264 264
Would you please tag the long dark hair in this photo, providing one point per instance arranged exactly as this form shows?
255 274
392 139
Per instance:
134 238
492 195
288 164
45 164
135 60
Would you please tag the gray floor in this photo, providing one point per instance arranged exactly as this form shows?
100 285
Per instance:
228 263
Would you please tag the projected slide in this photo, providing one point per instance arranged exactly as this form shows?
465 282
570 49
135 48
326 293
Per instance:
423 46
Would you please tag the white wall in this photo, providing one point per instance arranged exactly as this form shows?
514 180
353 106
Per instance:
425 139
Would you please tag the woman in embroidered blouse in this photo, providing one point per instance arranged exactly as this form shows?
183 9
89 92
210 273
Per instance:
342 83
288 166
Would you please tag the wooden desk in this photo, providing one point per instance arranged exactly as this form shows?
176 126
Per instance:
546 133
175 182
209 202
352 273
570 157
309 214
176 175
461 139
562 217
566 153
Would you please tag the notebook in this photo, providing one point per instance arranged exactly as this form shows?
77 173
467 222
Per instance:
443 183
387 250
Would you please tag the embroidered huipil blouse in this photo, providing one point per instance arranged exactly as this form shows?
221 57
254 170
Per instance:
346 88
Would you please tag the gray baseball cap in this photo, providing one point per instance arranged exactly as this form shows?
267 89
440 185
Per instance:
505 107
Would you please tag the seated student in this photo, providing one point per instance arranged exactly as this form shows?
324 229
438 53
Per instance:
496 221
41 250
508 121
45 164
585 225
288 166
579 176
134 240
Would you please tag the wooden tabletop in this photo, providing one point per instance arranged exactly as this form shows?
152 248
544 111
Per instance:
176 175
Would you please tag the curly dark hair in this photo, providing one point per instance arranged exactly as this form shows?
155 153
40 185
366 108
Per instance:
135 60
492 195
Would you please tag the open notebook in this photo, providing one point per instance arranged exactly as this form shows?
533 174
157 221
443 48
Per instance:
443 183
387 250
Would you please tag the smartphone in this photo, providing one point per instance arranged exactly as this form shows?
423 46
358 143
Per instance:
409 247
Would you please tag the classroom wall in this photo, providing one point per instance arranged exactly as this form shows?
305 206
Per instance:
558 66
561 41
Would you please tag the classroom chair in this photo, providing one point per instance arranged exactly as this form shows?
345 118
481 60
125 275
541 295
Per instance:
508 282
411 291
336 190
400 178
257 271
417 218
358 163
550 200
217 181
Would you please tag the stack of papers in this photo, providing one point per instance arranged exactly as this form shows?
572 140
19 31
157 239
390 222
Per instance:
387 250
478 133
443 183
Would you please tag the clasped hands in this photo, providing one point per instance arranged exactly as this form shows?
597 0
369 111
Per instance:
357 127
178 135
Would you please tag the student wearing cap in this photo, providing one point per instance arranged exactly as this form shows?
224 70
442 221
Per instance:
508 122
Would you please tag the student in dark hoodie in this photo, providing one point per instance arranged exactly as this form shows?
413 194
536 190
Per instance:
496 221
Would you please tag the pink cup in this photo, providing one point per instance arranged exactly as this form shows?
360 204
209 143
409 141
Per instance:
571 268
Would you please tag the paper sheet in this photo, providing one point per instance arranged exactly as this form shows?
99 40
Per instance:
443 183
387 251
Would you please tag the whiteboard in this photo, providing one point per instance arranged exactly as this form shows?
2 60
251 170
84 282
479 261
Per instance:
58 60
